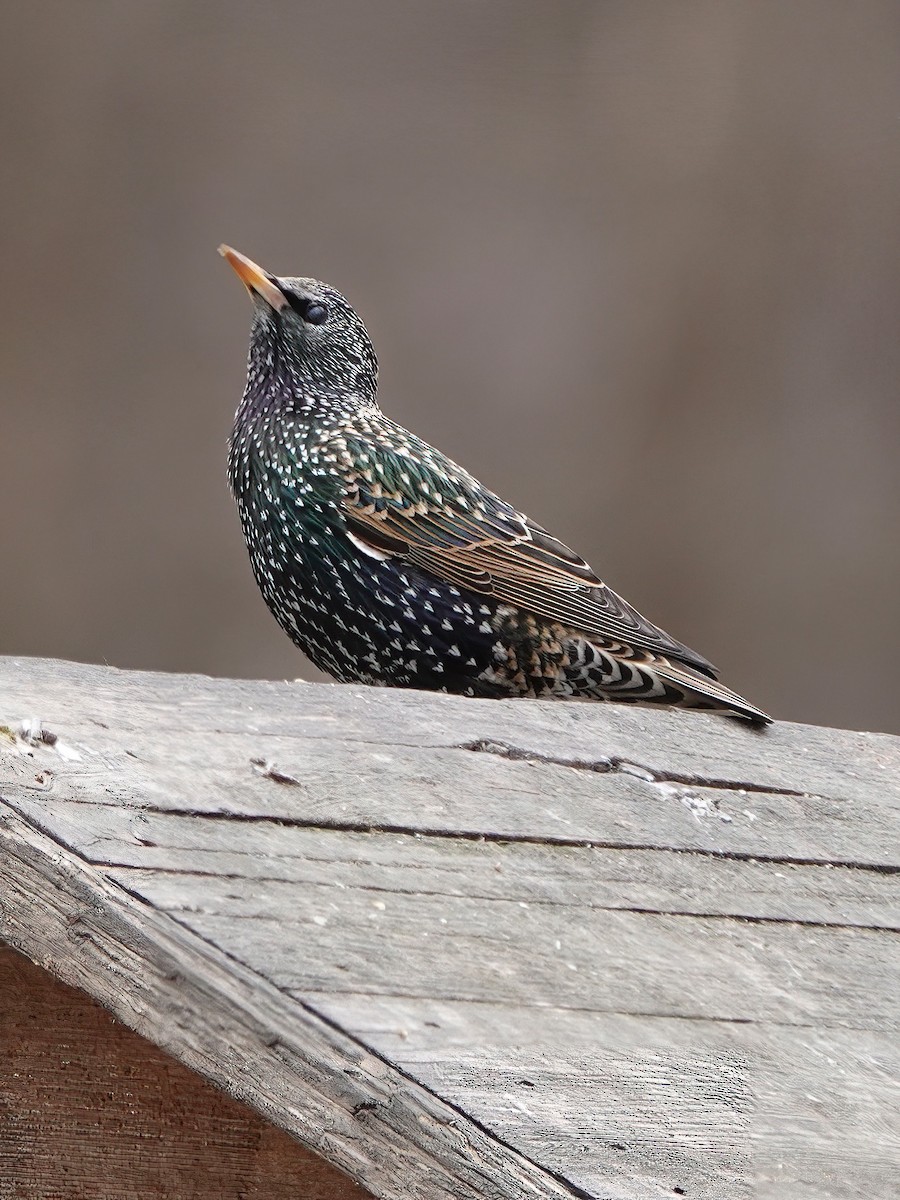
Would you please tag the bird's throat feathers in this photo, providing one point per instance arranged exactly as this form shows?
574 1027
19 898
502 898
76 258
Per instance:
307 368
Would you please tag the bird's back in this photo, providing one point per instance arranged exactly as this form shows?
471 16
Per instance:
388 563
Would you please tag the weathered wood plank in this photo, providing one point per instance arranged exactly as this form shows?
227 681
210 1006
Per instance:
795 1109
680 932
303 1073
800 759
534 873
484 949
350 773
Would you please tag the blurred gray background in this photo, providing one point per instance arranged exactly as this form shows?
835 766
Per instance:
636 264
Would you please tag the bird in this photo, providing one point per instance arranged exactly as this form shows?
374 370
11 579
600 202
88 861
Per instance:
388 564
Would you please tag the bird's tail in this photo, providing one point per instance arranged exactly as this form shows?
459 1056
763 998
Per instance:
698 691
626 673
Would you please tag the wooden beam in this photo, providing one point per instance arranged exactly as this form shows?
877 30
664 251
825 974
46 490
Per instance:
469 948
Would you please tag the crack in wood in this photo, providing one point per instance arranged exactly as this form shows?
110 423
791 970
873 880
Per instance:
303 997
606 765
602 764
638 909
474 835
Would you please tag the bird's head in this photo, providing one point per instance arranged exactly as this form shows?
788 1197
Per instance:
305 335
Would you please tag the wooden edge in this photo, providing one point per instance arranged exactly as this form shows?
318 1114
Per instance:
90 1110
301 1071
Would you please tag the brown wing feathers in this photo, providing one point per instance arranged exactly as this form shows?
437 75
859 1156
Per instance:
478 545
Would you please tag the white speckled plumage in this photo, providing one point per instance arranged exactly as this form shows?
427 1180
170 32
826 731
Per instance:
389 564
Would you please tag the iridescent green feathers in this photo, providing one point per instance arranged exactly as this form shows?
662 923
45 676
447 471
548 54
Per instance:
421 506
388 563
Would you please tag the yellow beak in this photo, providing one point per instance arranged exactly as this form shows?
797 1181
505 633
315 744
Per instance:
254 278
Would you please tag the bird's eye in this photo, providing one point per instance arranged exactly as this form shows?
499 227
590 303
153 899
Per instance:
316 314
310 310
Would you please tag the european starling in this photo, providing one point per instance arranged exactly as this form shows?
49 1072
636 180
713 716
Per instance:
386 563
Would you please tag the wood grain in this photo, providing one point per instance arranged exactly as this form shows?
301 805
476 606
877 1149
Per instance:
468 948
88 1109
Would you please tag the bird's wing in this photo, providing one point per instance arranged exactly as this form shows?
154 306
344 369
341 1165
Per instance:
445 522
